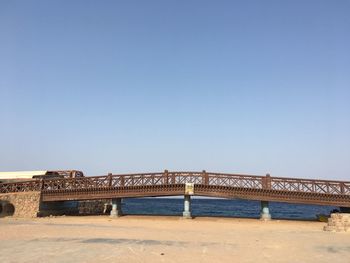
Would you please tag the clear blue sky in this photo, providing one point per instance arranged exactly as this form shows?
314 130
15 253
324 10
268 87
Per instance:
128 86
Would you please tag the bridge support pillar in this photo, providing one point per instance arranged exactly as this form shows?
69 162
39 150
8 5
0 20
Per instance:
265 211
116 207
187 207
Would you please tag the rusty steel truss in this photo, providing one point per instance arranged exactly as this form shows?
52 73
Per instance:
265 188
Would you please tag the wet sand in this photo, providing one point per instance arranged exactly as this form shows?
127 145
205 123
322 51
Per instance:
168 239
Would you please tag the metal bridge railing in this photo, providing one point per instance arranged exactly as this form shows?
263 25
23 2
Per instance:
167 178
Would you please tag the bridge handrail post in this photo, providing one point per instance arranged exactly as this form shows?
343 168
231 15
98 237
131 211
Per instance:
122 181
342 188
166 177
109 179
173 179
205 177
266 181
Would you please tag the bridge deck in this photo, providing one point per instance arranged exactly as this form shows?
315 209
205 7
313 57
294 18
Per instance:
265 188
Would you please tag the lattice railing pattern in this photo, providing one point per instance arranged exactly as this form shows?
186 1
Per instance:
310 186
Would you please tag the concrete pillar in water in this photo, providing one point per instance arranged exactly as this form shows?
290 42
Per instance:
187 207
116 207
265 212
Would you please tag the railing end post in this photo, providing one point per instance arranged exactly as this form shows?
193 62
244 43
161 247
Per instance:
42 184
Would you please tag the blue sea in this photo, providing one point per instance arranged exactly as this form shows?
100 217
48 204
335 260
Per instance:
221 208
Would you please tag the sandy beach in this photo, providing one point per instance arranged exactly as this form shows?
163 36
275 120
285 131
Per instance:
168 239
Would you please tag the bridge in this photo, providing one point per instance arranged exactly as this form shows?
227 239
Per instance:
167 183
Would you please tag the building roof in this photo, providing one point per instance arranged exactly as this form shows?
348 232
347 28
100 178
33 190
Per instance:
20 174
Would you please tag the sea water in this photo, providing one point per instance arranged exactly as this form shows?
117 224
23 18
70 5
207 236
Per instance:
221 208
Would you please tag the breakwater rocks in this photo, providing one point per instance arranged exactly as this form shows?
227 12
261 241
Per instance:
338 222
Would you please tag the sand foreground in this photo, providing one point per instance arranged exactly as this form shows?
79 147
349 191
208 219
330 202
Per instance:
168 239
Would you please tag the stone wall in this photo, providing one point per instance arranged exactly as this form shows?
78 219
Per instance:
338 222
94 207
59 208
20 204
28 204
344 209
